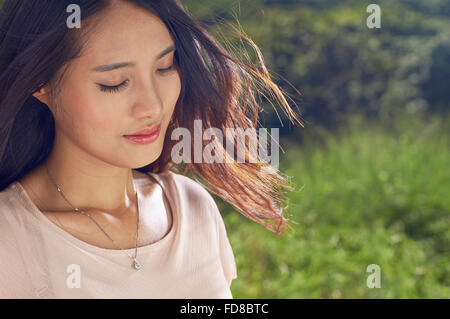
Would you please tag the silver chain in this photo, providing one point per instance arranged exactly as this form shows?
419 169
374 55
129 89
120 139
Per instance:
136 264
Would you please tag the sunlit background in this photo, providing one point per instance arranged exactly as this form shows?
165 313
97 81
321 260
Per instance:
370 168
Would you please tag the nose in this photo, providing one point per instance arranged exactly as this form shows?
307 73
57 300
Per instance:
148 101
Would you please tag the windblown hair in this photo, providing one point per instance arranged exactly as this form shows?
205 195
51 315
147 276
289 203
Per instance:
216 87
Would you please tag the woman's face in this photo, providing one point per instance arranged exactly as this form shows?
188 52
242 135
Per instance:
99 104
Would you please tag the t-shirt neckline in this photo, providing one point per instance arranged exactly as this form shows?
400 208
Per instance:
29 205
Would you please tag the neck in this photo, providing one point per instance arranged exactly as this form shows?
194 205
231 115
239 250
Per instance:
87 182
86 187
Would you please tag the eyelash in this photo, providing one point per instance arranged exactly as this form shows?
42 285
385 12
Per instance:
124 84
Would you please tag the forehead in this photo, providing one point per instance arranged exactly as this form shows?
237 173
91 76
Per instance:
126 29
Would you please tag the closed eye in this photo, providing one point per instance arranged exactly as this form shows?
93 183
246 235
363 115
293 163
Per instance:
116 88
166 69
111 89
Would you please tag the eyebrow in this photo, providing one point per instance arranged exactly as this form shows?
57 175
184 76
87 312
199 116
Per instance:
114 66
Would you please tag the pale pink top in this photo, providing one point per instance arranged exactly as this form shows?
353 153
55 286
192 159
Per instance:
194 259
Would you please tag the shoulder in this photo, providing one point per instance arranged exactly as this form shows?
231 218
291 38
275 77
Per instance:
13 280
190 194
187 187
14 216
5 194
7 206
10 214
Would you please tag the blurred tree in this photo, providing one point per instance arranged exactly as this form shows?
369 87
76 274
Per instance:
435 85
325 49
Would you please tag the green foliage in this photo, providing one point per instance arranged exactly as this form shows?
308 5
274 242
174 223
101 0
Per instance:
364 195
325 49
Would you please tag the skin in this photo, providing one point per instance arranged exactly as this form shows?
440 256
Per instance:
91 161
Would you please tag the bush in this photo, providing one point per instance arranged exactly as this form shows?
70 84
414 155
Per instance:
365 195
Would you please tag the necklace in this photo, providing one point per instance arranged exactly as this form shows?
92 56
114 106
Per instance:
136 265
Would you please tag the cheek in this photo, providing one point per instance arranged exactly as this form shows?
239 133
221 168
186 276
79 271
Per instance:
172 92
87 115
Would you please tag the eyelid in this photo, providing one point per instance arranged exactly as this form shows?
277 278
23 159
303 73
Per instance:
170 68
116 88
112 88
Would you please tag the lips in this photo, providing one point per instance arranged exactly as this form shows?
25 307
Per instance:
145 136
146 131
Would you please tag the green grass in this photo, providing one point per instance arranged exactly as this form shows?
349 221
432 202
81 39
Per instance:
364 195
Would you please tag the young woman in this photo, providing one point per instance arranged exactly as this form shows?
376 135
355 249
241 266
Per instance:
91 202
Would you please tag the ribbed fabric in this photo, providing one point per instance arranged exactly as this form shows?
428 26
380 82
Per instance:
194 259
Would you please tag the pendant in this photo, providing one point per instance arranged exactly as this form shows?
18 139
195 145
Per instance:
136 264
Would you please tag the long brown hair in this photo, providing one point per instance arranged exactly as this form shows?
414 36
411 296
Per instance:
217 88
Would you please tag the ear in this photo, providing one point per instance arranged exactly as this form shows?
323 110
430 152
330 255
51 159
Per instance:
42 95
